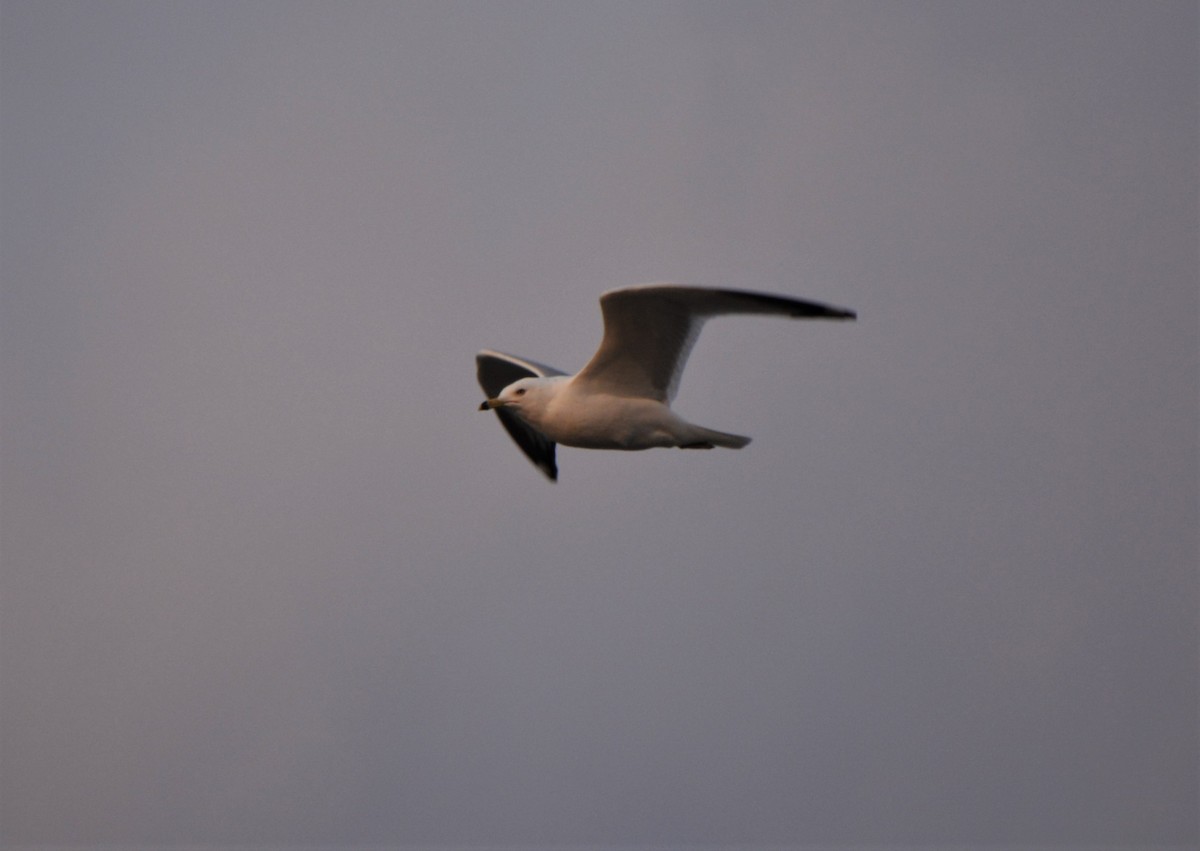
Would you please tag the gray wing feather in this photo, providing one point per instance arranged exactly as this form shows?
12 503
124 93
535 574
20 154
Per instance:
649 332
495 371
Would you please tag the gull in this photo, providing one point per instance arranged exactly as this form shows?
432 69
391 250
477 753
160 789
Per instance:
622 398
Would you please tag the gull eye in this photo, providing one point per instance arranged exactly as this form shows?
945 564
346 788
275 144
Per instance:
520 391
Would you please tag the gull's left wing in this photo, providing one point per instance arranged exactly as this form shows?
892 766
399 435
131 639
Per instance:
495 371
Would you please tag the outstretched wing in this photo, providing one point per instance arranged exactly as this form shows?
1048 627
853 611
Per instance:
495 371
649 332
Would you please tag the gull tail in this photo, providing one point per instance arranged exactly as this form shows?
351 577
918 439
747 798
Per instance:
707 438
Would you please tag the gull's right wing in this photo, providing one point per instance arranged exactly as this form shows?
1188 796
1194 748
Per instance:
495 371
649 331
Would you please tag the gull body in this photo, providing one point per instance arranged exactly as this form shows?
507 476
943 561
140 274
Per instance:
568 413
621 398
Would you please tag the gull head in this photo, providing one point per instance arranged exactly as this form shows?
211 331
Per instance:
523 396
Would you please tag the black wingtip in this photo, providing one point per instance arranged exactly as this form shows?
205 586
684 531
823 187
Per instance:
797 308
813 310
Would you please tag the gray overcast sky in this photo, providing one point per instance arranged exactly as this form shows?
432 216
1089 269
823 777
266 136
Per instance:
268 579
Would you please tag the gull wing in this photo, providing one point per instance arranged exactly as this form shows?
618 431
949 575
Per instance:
649 332
495 371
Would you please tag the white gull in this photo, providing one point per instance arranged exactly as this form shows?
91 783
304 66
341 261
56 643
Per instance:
621 398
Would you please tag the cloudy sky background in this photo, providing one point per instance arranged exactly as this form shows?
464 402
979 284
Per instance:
268 579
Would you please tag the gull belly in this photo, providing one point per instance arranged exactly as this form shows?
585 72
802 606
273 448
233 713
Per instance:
605 421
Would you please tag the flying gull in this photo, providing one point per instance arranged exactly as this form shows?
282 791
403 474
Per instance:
621 398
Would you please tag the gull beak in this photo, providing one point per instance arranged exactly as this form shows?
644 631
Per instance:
490 404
